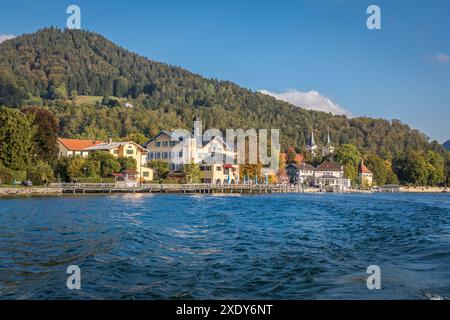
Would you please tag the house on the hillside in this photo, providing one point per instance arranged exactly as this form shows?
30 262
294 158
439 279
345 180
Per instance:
75 147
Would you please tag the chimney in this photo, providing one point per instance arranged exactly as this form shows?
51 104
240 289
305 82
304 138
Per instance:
110 140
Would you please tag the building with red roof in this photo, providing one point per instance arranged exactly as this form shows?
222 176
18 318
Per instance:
365 175
75 147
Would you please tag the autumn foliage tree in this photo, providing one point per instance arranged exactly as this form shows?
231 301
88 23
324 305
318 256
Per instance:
46 134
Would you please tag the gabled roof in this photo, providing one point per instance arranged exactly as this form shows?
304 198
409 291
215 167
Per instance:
363 169
220 140
165 132
78 145
329 166
113 145
129 172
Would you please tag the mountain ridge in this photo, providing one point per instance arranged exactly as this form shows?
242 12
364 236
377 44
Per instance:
51 65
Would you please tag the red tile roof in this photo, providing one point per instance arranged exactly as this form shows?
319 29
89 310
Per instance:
78 145
363 168
329 166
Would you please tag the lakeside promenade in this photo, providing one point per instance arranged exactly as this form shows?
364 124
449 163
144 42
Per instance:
111 188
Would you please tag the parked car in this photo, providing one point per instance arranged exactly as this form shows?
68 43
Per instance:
27 183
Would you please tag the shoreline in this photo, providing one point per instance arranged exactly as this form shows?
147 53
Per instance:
23 192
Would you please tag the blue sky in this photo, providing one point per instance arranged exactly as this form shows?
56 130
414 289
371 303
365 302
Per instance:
401 71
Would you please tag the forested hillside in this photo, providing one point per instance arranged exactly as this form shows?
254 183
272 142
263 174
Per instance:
52 67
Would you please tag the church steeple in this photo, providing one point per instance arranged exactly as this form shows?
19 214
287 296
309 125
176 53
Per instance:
312 142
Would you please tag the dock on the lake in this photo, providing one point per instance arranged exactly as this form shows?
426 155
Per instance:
83 188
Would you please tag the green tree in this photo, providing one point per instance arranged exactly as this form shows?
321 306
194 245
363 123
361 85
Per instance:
60 169
40 173
161 168
107 162
10 93
349 156
120 87
77 168
17 137
412 168
436 168
127 163
192 173
60 92
137 137
378 168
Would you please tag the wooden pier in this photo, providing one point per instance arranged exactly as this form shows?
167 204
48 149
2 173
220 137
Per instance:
110 188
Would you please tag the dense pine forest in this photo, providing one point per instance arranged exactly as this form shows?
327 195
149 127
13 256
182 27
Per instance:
84 80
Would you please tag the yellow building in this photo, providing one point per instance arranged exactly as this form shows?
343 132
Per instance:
127 150
161 148
219 174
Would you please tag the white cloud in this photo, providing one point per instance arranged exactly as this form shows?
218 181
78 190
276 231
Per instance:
439 57
4 37
311 100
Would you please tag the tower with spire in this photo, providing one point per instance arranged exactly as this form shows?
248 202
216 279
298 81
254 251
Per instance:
312 147
328 148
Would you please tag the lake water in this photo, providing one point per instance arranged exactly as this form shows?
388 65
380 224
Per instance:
295 246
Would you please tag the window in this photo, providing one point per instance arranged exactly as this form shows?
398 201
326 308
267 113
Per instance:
131 152
180 154
172 143
158 144
165 144
164 155
158 155
115 151
150 155
218 168
146 174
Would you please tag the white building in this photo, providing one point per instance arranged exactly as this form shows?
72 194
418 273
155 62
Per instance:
302 173
215 157
330 175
